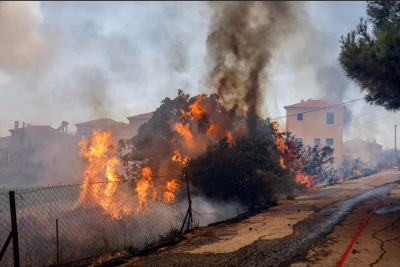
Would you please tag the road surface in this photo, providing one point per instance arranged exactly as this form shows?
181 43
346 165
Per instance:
313 230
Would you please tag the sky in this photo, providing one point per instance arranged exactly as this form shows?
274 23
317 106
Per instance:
79 61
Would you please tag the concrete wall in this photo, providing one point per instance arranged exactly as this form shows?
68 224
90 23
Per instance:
314 125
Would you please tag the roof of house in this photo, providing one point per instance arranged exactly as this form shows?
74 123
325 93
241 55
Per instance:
315 104
103 122
142 116
35 128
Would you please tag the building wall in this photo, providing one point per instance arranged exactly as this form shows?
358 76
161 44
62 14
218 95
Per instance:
117 132
49 149
368 152
314 125
134 125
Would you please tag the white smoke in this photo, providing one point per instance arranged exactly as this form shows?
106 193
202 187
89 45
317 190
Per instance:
21 44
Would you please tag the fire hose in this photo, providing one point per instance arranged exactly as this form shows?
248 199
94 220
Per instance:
362 226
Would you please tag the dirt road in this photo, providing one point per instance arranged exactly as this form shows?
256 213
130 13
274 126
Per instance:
313 230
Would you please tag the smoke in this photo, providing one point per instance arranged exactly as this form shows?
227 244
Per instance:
242 39
21 44
208 211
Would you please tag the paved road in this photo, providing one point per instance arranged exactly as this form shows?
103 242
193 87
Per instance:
313 230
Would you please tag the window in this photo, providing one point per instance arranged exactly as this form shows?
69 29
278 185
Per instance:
317 141
300 117
21 138
299 140
330 118
329 141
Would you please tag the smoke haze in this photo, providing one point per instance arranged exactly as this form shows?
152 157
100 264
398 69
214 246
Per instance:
81 61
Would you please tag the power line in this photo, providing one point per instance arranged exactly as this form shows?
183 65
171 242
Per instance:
319 109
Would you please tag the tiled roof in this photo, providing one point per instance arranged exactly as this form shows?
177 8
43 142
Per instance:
142 116
315 104
35 128
103 122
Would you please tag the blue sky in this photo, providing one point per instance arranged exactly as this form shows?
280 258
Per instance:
87 60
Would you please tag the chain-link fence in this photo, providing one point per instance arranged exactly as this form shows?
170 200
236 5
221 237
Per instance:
64 224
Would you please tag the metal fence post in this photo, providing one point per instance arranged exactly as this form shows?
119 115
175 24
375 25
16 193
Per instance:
14 228
58 249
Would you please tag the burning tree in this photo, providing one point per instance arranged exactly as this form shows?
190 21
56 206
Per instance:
316 165
180 128
185 131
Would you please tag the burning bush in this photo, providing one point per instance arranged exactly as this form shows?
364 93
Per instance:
248 169
350 168
316 163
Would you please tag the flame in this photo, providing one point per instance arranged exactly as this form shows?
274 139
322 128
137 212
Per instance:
305 180
102 164
279 143
184 131
356 172
143 185
196 109
178 158
171 188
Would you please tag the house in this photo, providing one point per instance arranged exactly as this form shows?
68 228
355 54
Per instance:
317 122
5 143
368 152
136 121
44 146
119 130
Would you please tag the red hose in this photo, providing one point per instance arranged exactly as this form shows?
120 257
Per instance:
362 226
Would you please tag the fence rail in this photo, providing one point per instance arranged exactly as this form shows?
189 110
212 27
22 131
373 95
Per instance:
58 225
61 225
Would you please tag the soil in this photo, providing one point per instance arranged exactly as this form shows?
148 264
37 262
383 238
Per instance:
313 230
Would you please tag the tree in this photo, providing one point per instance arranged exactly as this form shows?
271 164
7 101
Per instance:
372 58
181 125
316 161
247 169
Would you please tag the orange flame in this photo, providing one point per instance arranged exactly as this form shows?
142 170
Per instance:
143 185
171 188
178 158
184 131
305 180
102 165
279 143
196 109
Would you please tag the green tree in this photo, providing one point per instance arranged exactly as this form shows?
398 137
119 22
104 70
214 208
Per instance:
371 58
248 169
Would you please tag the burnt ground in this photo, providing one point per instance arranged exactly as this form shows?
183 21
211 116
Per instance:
297 233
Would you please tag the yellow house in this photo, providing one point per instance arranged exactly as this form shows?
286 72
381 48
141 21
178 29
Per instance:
317 122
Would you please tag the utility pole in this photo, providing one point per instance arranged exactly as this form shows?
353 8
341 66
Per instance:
23 142
395 141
